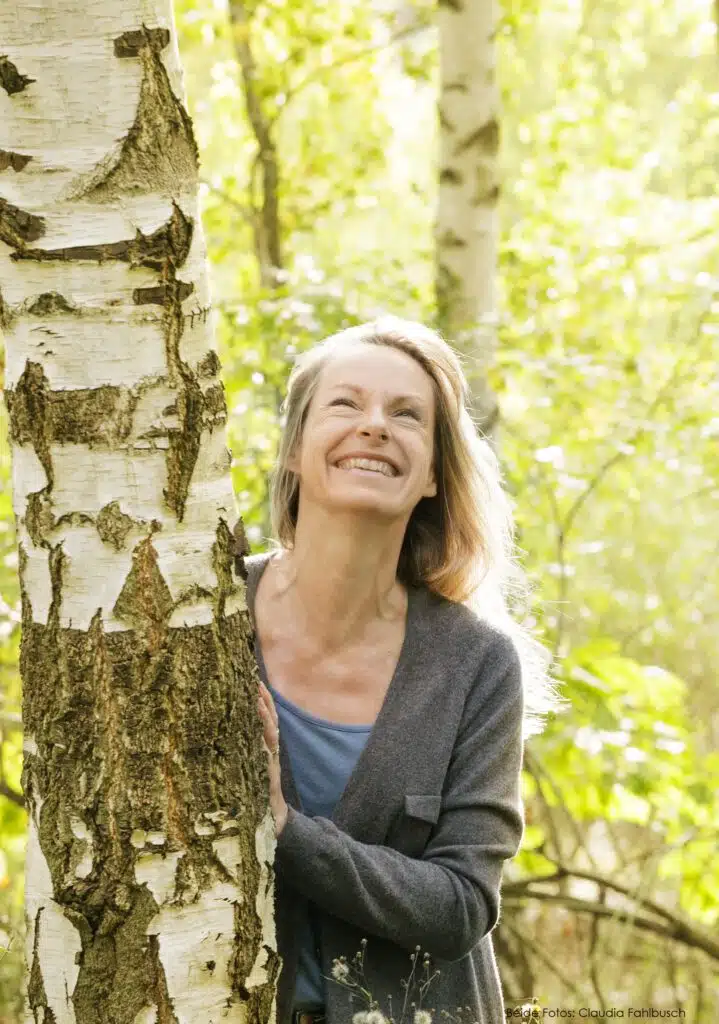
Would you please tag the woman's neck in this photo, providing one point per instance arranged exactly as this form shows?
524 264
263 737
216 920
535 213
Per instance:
333 603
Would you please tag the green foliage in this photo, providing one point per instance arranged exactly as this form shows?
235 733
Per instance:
633 747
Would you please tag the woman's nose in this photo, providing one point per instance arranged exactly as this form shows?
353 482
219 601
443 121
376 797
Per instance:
375 428
375 422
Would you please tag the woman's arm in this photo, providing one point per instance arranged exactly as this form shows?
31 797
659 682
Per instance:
447 900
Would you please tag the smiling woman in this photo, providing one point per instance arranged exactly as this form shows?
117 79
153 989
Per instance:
398 689
374 424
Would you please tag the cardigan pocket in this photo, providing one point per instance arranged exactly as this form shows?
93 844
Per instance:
411 829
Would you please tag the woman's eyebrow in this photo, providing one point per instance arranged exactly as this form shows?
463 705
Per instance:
397 398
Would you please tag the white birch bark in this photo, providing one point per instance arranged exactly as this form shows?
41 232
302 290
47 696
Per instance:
467 214
149 883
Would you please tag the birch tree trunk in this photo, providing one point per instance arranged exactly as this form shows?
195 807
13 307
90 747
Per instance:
467 218
149 884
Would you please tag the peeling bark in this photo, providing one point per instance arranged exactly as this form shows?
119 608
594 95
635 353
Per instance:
131 44
467 221
50 302
18 226
168 246
11 80
14 161
149 887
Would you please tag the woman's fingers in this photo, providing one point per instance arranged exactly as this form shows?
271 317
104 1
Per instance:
269 703
271 726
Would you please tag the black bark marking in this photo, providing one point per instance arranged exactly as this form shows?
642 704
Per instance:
18 226
448 288
486 137
130 44
113 525
37 997
10 78
39 519
199 313
448 176
50 302
145 601
450 240
457 86
94 416
161 295
184 443
17 161
28 405
486 193
241 548
160 145
215 403
165 1006
209 365
104 416
171 241
444 122
223 562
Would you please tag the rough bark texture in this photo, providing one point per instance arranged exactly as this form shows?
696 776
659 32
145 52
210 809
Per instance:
466 227
149 883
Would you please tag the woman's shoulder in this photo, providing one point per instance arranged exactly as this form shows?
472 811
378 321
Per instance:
454 641
465 625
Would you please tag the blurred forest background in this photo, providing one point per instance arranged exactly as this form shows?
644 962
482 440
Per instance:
606 375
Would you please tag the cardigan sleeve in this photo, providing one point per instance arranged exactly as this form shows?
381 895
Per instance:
446 901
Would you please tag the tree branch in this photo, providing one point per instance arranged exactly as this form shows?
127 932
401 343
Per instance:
10 721
347 58
12 795
526 940
248 213
676 927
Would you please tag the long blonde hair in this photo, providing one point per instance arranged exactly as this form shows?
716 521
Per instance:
459 543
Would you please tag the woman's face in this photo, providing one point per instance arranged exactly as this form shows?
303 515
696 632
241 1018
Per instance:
377 401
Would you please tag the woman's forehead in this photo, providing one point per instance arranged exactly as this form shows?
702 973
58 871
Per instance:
366 370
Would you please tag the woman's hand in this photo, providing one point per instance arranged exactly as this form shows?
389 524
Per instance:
271 737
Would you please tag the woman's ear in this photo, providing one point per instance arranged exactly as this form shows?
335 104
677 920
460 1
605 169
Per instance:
431 488
292 462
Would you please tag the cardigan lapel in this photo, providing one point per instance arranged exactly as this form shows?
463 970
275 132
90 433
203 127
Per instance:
356 810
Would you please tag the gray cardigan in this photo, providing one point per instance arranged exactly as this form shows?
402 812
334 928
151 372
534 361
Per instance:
414 851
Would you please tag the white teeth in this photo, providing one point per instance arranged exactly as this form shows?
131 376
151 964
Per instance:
369 464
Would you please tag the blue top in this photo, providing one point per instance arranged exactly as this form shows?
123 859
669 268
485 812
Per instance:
322 755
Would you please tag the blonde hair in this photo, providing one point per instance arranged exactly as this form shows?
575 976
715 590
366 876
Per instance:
459 543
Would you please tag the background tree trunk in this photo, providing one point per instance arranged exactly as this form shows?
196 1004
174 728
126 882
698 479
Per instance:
265 211
467 217
149 885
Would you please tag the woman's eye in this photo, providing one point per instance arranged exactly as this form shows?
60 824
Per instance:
348 401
